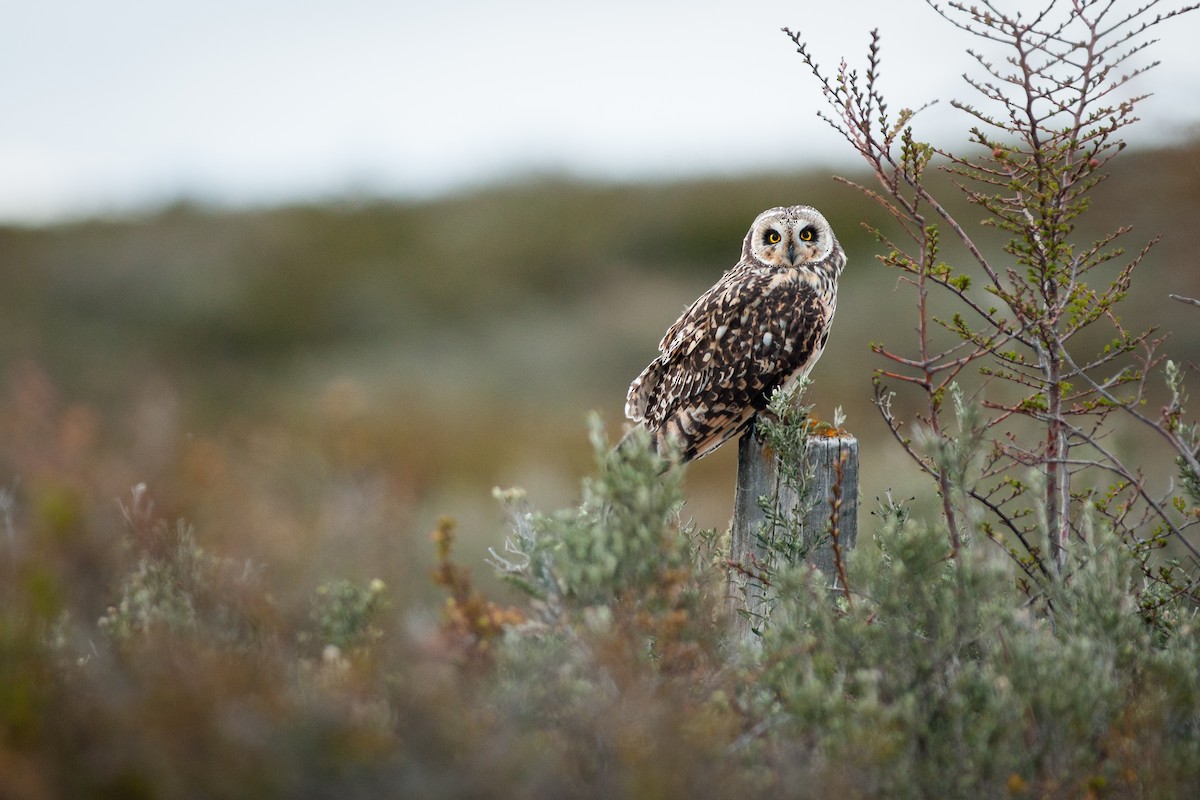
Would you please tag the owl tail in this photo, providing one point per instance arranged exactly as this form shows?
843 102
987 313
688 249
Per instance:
640 391
636 434
640 437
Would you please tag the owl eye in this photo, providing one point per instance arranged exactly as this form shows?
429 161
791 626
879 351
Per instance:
772 237
807 235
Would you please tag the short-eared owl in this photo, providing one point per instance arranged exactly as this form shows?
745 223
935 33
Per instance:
762 326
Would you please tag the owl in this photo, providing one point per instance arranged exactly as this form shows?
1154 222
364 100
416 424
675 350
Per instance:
761 327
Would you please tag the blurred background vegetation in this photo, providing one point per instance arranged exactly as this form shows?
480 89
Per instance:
313 385
310 387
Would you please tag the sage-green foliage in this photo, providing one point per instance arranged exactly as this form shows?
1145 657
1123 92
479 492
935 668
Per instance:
940 676
344 613
785 430
616 541
931 677
175 586
160 591
936 676
940 681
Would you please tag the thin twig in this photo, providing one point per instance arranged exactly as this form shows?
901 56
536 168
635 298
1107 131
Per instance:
1182 299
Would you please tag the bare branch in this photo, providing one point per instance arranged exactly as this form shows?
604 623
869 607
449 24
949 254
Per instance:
1191 300
1048 111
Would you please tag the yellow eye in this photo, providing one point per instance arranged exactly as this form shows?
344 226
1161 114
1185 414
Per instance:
772 237
807 235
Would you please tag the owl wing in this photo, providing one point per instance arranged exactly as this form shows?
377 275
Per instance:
722 359
643 394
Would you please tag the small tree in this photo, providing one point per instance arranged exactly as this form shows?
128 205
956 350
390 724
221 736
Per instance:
1046 123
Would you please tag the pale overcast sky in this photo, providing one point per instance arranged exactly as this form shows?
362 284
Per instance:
126 104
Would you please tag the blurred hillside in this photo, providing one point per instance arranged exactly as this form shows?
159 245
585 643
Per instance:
321 381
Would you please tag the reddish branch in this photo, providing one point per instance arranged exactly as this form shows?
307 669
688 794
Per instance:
1052 97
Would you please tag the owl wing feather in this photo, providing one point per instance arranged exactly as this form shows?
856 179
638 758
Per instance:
721 360
644 392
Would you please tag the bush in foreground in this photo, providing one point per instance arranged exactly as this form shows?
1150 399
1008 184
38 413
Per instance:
932 677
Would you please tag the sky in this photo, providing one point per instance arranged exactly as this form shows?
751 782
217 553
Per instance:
126 105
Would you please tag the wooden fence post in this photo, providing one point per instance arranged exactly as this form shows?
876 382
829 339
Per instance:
832 462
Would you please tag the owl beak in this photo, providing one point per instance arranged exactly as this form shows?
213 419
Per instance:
791 252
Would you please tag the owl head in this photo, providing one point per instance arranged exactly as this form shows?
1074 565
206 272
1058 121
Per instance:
789 236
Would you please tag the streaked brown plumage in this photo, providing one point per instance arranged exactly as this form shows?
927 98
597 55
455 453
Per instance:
762 326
